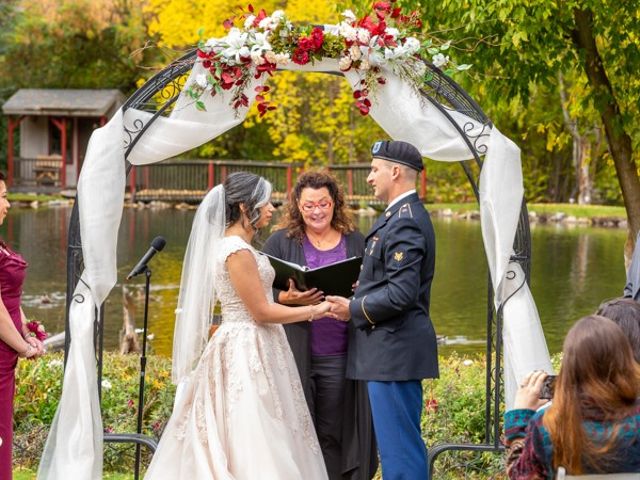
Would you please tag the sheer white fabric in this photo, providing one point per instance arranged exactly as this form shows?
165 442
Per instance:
242 413
398 111
197 296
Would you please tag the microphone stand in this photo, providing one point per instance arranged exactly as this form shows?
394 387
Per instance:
143 366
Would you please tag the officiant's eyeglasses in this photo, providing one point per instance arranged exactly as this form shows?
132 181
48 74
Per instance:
310 207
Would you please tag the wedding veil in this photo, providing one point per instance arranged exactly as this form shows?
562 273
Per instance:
197 296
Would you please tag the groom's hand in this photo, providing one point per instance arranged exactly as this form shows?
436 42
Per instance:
339 307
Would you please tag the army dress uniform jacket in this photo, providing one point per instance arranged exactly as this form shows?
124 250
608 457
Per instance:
393 338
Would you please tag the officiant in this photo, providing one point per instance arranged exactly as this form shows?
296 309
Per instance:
317 230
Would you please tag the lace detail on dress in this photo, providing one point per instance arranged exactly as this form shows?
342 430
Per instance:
244 359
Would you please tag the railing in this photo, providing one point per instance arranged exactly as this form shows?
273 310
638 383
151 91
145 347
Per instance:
189 180
40 171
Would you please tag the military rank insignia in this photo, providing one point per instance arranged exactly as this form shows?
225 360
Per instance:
398 256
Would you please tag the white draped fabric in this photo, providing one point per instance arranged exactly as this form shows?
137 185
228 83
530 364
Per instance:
74 446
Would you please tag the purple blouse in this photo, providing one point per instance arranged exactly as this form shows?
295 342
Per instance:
12 273
328 335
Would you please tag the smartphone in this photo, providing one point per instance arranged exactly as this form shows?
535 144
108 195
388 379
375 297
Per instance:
548 386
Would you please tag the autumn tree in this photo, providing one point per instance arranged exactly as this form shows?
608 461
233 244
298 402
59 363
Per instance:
519 46
315 122
76 44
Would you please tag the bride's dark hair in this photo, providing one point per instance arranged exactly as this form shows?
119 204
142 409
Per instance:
248 189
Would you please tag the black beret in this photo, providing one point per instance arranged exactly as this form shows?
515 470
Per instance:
399 152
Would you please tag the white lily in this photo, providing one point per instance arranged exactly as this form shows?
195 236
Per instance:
236 45
349 15
394 32
248 23
260 41
348 32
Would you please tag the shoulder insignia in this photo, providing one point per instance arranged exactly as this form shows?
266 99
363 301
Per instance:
387 214
398 256
405 211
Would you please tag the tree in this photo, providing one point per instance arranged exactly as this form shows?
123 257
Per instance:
518 46
315 122
75 44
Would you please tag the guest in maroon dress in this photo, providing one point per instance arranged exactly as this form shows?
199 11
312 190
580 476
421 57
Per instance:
14 339
316 230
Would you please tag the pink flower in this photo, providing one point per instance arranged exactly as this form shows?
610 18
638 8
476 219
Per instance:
36 329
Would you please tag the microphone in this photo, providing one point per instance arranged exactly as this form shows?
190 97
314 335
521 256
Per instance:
157 245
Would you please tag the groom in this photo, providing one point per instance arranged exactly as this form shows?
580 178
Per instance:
393 345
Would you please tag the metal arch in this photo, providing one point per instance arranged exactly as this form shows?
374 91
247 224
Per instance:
158 95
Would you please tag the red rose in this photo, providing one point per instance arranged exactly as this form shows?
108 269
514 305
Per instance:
300 56
382 9
317 37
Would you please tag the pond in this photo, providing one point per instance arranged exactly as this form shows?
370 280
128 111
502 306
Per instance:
573 269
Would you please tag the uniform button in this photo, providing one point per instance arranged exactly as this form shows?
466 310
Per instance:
387 214
361 267
373 327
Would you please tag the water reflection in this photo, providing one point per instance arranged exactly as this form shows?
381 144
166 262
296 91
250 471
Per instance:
573 269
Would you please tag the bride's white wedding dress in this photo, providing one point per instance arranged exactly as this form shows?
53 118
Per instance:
242 414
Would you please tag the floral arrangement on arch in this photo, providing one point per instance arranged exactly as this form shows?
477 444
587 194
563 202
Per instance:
383 38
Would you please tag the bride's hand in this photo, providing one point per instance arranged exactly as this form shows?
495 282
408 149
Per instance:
321 309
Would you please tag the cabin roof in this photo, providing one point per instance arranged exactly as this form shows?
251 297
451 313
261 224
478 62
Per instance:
64 102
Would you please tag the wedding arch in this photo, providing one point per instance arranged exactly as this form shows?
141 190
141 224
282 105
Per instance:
165 118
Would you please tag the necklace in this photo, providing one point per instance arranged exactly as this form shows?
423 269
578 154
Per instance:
327 240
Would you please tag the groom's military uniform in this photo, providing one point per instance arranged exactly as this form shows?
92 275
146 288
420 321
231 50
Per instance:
393 345
394 338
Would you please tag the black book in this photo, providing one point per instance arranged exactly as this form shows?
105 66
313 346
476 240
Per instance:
334 279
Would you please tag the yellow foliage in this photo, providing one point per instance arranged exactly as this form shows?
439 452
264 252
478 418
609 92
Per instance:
177 22
315 120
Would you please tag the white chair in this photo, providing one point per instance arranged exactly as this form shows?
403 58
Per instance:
562 475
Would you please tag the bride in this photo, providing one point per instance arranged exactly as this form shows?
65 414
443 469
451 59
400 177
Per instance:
240 413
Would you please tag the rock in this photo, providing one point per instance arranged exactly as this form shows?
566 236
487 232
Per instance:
447 212
35 204
557 217
570 220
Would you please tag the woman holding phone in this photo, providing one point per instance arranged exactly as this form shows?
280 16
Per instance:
593 423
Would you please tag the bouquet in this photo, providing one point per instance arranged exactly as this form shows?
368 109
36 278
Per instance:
37 330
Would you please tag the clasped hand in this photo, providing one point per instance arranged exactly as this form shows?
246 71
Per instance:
36 348
339 308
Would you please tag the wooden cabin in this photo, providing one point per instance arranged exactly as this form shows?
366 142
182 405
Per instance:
55 126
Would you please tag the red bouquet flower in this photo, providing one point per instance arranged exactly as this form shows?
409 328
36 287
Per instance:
36 329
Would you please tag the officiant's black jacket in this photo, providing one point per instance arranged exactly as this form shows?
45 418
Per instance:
359 457
393 338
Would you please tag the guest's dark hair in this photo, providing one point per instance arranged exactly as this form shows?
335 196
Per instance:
293 221
247 189
2 177
626 313
599 378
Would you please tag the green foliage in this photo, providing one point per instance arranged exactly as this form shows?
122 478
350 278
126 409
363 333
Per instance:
38 392
459 418
75 44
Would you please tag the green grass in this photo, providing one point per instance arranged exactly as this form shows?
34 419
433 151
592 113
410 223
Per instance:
24 474
578 211
30 197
